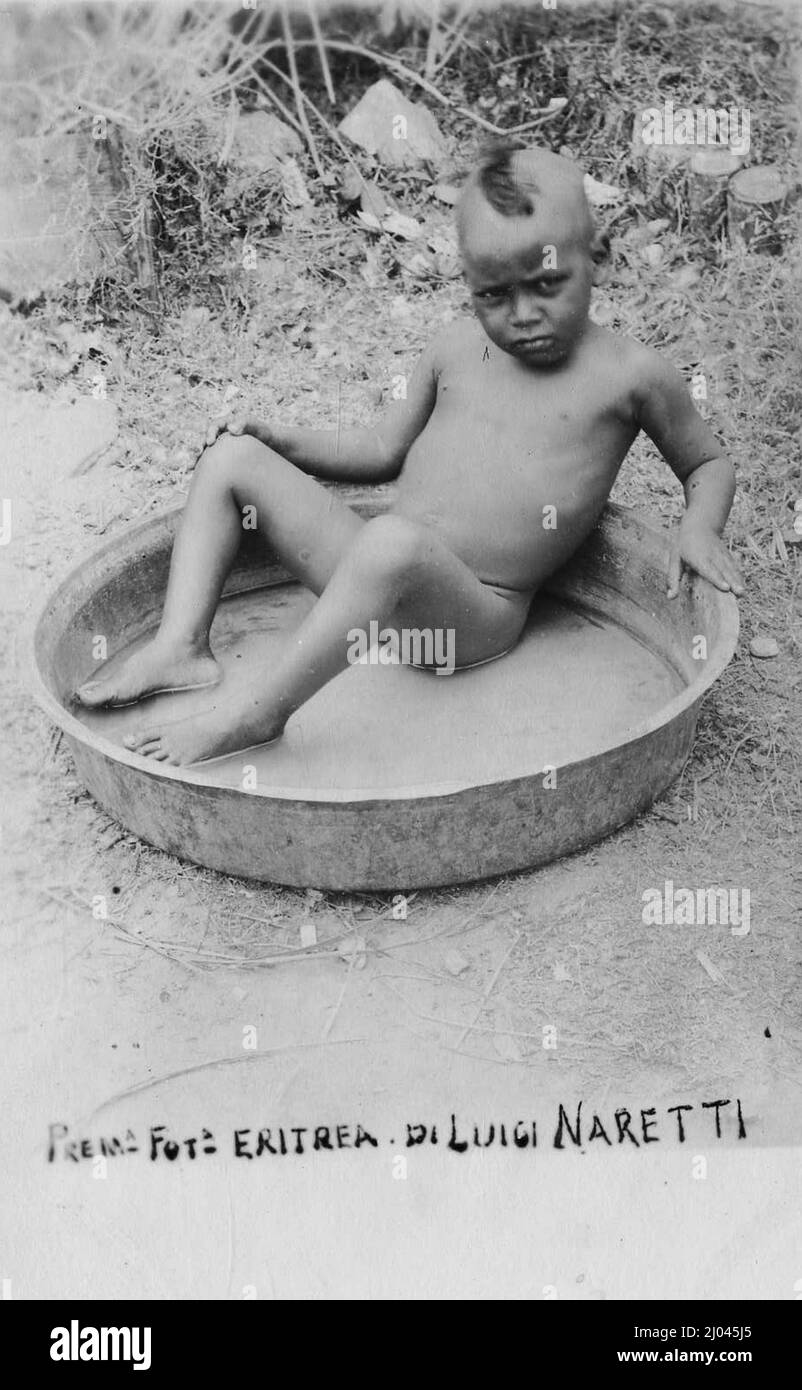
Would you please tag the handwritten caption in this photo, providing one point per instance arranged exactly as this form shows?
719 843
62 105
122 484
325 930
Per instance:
577 1126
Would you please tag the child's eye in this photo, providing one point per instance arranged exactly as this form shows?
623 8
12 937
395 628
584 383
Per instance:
493 296
547 287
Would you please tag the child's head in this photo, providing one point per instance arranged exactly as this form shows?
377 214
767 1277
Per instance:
530 251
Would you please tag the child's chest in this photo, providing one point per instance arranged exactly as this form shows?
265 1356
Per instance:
502 400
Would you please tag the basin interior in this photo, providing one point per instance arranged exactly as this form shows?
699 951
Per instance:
577 682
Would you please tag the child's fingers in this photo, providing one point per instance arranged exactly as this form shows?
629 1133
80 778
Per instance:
722 571
734 576
714 573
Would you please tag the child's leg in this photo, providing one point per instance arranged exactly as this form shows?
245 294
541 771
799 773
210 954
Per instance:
391 565
302 522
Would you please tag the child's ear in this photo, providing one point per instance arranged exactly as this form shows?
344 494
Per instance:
600 256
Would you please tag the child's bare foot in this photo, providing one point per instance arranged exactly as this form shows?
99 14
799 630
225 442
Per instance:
222 729
159 666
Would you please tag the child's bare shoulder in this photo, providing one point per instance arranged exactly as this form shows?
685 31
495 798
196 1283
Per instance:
647 374
648 368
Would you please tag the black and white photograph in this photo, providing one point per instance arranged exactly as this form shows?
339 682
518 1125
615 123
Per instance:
400 545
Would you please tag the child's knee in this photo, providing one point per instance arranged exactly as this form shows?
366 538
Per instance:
230 455
391 543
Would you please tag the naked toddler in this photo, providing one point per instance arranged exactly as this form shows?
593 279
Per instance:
528 406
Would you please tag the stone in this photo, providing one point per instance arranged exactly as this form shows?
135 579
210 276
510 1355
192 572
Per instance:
308 935
601 195
397 131
456 963
261 142
764 647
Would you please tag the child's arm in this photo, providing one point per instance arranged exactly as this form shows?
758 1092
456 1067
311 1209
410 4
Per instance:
356 453
669 417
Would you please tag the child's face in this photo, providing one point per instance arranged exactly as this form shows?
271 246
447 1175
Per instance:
530 283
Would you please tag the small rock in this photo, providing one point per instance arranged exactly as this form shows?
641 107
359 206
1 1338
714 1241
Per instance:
308 934
685 277
397 131
456 963
446 193
398 224
653 254
764 647
262 141
602 312
394 223
601 195
351 185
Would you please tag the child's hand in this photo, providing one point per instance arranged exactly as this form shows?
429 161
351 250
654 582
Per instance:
698 547
235 423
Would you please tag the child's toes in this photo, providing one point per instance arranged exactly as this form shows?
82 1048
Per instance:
143 741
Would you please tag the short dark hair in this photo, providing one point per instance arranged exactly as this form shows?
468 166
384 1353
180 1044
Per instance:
496 177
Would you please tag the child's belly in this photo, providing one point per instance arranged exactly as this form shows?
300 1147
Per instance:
513 527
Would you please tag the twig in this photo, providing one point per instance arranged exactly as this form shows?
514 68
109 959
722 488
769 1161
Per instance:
123 935
327 126
289 45
452 1022
431 44
402 71
336 1009
278 103
265 1055
457 31
240 964
463 1035
446 931
321 48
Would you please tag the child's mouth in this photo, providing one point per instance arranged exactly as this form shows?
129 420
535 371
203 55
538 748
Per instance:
527 345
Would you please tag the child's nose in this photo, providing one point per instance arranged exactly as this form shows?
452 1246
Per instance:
526 308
